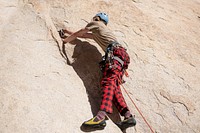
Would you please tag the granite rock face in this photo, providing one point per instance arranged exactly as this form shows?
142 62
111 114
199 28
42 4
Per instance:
41 93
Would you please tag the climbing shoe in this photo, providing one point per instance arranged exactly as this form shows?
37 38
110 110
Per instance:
95 123
126 123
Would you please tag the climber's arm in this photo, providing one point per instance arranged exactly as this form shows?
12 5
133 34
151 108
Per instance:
82 33
86 35
67 31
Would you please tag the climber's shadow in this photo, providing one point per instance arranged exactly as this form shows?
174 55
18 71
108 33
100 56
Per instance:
86 65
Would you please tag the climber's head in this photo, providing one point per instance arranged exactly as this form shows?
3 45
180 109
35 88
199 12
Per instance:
101 17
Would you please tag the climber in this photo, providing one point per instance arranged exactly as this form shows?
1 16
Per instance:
113 66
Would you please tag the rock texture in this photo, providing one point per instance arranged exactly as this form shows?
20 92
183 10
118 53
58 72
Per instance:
41 93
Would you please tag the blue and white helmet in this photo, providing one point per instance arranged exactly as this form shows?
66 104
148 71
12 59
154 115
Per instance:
103 16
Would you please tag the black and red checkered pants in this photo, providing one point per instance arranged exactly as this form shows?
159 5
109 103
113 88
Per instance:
110 84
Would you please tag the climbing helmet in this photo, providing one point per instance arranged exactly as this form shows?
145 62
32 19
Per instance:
103 17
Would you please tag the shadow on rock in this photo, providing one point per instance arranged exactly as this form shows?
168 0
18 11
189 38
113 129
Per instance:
86 65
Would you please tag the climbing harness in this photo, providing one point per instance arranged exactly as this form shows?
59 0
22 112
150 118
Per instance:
109 57
119 60
137 108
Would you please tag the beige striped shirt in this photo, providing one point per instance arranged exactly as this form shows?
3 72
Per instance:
102 34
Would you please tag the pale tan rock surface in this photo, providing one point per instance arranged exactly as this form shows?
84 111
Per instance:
41 93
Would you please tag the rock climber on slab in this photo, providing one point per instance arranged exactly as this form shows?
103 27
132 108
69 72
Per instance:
113 66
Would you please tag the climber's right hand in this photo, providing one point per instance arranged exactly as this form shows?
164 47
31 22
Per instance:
61 33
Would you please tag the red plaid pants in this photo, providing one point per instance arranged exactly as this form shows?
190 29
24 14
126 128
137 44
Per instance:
110 84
